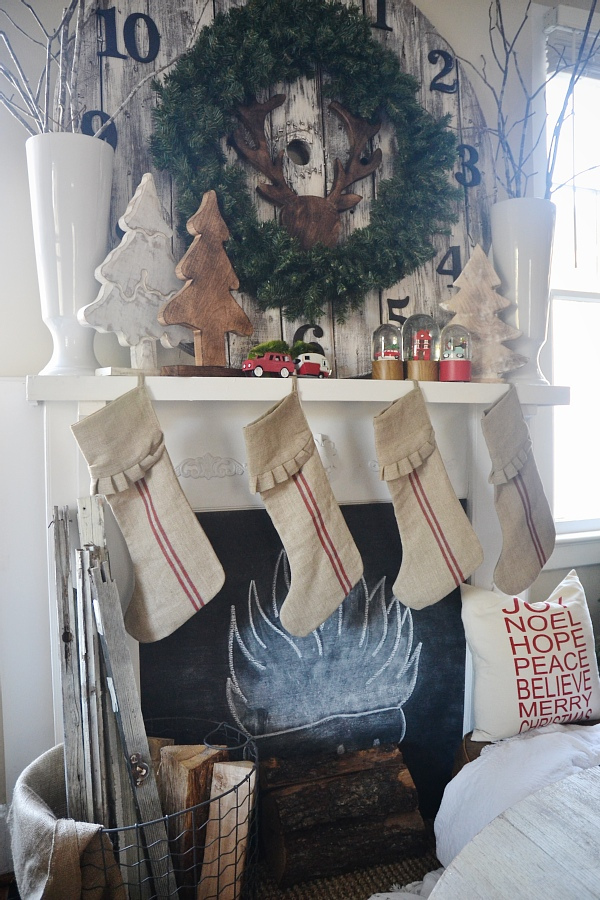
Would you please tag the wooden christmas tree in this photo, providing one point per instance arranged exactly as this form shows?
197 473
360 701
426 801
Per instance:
476 305
205 303
137 278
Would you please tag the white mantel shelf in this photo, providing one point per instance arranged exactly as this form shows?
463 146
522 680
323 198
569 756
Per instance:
42 388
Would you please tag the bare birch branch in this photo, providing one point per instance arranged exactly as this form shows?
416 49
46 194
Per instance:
520 132
21 30
38 21
75 63
23 85
8 104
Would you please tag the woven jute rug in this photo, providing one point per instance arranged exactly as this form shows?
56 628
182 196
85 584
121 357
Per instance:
358 885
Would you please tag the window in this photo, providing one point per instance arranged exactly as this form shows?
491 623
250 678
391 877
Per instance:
575 309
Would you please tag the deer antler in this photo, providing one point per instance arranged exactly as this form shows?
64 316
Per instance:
359 131
253 118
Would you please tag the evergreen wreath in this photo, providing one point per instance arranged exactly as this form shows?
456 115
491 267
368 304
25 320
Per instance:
241 54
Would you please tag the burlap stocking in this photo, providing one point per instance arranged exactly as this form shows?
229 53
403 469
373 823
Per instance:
439 547
284 465
176 569
528 532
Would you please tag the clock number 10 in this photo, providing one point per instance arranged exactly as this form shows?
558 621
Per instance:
130 36
94 118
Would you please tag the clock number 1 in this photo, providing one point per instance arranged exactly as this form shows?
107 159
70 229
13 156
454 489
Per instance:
380 21
111 46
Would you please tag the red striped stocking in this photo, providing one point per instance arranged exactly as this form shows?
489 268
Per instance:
285 467
528 532
176 569
439 547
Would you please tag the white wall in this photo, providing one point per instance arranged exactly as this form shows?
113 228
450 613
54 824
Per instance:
24 615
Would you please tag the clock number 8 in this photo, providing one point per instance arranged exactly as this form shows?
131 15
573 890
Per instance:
111 47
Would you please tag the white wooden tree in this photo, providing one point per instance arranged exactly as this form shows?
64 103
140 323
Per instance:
476 305
137 278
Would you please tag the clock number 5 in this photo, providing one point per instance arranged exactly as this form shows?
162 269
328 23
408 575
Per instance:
436 83
130 37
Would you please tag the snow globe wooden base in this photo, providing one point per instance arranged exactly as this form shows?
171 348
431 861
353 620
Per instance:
422 369
387 370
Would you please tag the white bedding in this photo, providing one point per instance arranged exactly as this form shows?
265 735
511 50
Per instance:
505 773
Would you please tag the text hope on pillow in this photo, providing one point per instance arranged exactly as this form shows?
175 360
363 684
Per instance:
534 663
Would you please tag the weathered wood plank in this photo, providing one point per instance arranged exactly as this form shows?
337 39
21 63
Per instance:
118 810
75 763
119 669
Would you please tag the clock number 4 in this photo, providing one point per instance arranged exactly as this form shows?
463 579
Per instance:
450 264
130 36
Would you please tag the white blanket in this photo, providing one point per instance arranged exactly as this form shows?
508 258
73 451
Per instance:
505 773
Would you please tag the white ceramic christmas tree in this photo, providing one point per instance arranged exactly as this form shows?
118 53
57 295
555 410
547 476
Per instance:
138 278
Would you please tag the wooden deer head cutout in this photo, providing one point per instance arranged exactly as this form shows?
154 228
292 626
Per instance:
311 219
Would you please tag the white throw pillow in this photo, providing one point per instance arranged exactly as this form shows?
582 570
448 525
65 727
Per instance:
535 664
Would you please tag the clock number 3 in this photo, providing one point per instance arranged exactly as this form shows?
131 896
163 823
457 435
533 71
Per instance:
470 175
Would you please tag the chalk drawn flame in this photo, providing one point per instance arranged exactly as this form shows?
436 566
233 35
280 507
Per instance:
359 663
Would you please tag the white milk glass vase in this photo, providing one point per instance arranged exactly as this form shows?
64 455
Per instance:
70 180
522 238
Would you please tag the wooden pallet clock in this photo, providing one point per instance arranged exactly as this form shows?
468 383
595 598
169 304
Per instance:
306 136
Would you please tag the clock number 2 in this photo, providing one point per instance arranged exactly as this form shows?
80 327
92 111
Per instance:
436 83
130 38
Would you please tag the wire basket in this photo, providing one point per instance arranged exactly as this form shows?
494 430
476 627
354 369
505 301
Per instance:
206 852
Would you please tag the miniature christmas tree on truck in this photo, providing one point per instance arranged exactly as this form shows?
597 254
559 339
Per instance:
205 303
137 278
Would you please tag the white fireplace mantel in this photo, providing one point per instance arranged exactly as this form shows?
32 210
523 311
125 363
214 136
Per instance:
203 420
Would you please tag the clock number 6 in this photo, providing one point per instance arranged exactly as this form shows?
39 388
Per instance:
111 47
